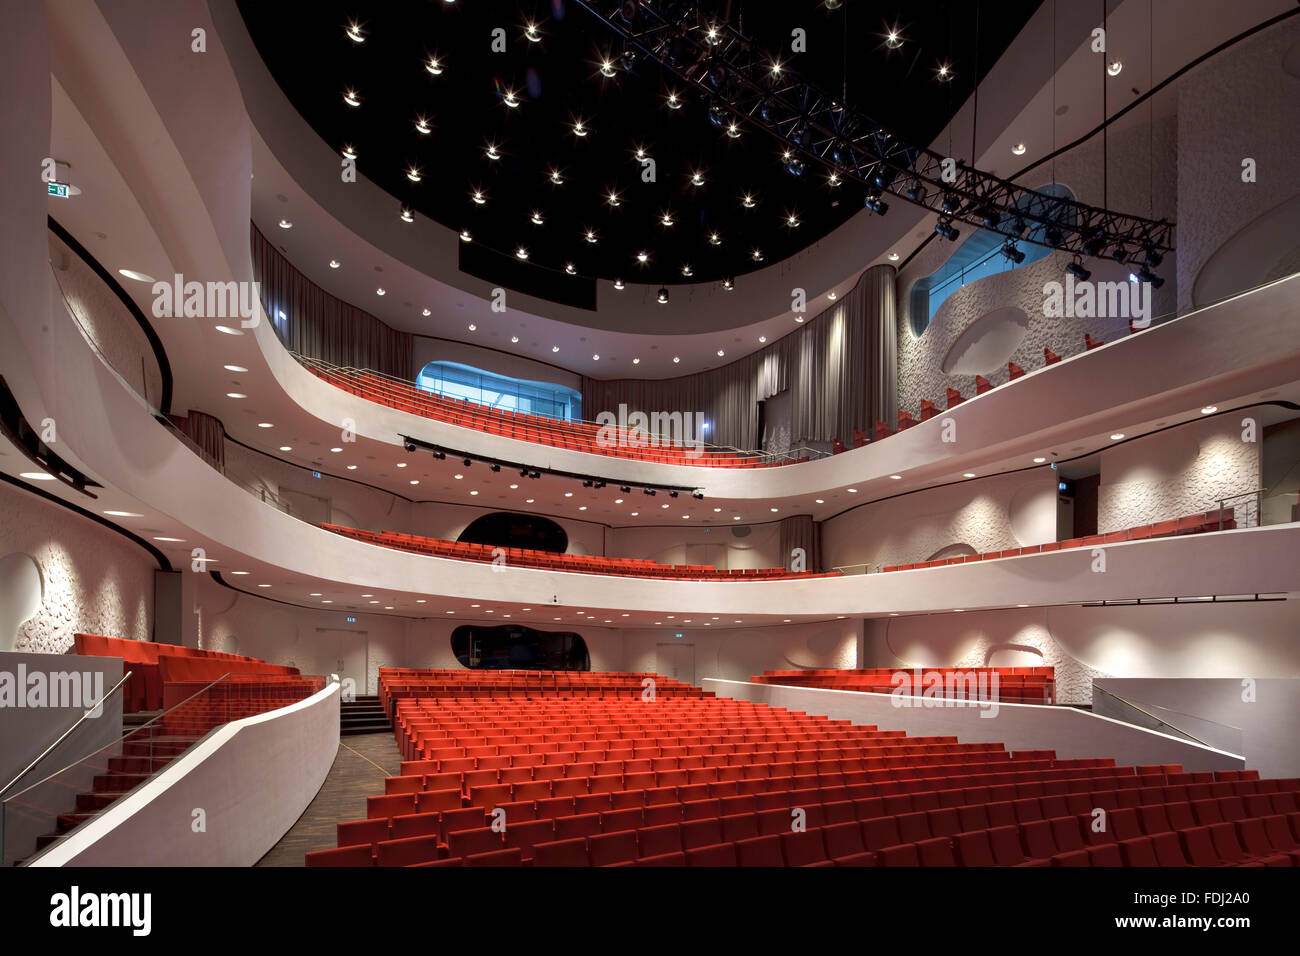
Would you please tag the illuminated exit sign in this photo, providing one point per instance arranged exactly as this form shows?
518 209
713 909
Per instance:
57 189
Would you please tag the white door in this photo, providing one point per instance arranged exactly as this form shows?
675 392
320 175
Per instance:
676 661
346 653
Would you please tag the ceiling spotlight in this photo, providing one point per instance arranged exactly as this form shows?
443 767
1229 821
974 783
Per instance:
1209 409
511 99
408 445
555 348
492 152
570 268
833 179
579 128
413 174
876 204
728 283
650 491
285 224
892 257
422 125
595 358
733 130
434 66
916 192
1077 270
893 39
381 291
625 488
1018 149
478 197
944 73
747 201
406 215
607 67
521 253
534 35
1012 253
636 361
334 263
715 239
951 202
697 178
666 220
757 255
536 218
945 228
354 32
674 101
464 237
1114 67
762 339
611 197
676 359
643 257
687 270
1146 275
792 221
352 98
663 297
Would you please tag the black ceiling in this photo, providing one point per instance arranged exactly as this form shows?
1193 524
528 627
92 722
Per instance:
557 81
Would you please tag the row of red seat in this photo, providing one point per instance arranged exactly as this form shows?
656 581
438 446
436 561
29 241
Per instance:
152 665
955 398
579 436
407 683
1029 685
1214 520
548 560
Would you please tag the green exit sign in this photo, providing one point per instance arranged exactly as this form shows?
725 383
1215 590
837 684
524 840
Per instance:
57 189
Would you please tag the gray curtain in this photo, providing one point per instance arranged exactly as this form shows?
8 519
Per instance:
825 363
880 287
319 326
801 531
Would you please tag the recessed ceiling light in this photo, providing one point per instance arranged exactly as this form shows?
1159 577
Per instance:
472 493
123 514
336 450
514 339
1039 461
1018 149
228 330
236 395
636 361
352 467
434 66
406 215
401 464
334 263
521 253
635 513
327 602
422 125
582 507
676 359
571 269
1117 436
514 487
555 348
265 425
674 101
264 585
234 368
832 296
478 197
420 601
472 327
775 510
351 98
169 539
415 481
529 501
896 477
381 291
595 358
968 474
852 491
413 174
1114 67
36 476
1209 409
762 339
721 353
137 276
820 501
893 257
579 128
285 224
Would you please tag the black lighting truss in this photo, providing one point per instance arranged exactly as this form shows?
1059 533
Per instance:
411 443
739 82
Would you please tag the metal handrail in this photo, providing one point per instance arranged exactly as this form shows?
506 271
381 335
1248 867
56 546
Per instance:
1159 720
63 736
344 370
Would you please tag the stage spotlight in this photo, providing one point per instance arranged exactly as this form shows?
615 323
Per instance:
946 229
495 467
467 462
600 484
951 202
588 483
876 204
651 492
1077 270
697 495
1146 275
523 472
626 489
672 494
408 445
1011 252
534 474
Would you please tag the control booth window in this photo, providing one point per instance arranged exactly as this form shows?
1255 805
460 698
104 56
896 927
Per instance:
516 647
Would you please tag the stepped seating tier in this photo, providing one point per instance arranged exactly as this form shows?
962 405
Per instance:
1020 685
576 436
577 563
1215 520
144 690
693 781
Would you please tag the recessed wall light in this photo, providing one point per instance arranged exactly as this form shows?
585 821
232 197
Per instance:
968 474
852 491
176 540
285 224
234 368
236 395
227 330
36 476
1209 409
1114 67
896 477
265 425
381 291
137 276
893 257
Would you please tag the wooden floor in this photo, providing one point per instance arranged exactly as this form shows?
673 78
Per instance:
362 763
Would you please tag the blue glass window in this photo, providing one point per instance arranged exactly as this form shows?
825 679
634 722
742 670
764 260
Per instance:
500 391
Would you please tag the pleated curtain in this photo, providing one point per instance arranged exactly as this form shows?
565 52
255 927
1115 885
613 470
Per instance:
319 326
831 364
801 531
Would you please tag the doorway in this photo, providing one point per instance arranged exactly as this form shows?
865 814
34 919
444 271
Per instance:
676 661
346 653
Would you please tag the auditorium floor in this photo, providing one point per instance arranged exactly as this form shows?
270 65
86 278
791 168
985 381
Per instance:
362 763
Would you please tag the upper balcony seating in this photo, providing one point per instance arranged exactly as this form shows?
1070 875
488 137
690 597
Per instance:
1215 520
1020 685
578 436
682 781
144 689
581 563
